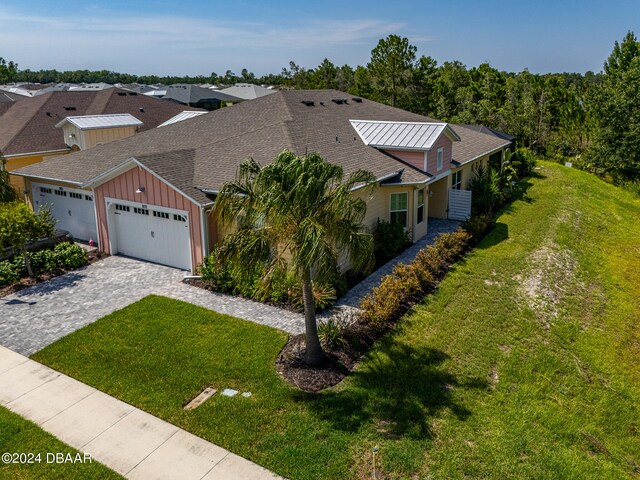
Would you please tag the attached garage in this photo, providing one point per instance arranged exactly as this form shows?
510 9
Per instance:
72 208
148 232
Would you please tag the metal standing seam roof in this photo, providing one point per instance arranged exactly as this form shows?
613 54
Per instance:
181 116
92 122
418 135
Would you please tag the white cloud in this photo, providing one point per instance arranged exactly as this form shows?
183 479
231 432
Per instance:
147 43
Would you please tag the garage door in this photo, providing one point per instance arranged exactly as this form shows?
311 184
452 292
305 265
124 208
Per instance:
150 233
71 207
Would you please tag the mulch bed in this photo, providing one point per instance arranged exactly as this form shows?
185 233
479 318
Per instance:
26 282
338 364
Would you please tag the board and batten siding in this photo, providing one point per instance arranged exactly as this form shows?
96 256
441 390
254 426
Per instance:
156 193
86 139
432 160
415 158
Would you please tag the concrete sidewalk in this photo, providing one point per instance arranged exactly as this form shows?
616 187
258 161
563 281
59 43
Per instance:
122 437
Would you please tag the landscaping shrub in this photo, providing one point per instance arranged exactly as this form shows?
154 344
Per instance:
408 283
9 273
487 195
478 226
334 333
44 261
68 256
524 160
216 271
390 239
281 287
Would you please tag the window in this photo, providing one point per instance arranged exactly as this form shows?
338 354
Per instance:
495 161
122 208
88 197
456 180
140 211
420 210
45 190
398 210
75 195
440 158
160 214
60 193
179 218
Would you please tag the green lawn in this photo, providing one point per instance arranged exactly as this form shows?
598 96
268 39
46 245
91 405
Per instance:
524 363
18 435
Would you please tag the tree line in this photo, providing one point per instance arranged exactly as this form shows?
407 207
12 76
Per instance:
589 119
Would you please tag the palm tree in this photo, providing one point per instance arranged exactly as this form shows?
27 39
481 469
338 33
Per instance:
296 214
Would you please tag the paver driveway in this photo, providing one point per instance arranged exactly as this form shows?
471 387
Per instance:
38 316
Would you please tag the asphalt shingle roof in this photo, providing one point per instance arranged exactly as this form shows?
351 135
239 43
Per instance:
204 152
28 125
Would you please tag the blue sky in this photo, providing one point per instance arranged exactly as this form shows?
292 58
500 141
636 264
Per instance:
199 37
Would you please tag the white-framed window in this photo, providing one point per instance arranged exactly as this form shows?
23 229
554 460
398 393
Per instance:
456 180
398 210
420 208
440 162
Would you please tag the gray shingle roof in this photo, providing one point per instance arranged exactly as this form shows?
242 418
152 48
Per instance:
474 143
204 152
28 125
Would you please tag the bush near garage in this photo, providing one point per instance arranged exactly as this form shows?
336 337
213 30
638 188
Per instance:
62 258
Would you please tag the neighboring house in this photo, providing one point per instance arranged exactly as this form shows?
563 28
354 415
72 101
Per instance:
28 132
194 96
153 191
248 91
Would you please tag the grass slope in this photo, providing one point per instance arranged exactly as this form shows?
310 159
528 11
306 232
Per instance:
524 363
18 435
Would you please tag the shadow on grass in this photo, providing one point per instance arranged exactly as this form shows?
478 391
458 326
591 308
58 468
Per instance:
498 234
398 390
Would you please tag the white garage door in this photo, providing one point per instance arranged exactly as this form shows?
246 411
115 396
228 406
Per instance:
150 233
71 207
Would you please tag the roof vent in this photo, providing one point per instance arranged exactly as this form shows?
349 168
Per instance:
308 103
48 114
357 100
141 109
339 101
69 108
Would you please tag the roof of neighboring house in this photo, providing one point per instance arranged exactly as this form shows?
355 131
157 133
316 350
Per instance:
9 97
411 135
248 91
182 116
93 122
202 153
28 125
474 144
186 93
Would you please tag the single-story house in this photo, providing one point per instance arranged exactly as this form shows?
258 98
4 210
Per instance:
32 129
195 96
149 196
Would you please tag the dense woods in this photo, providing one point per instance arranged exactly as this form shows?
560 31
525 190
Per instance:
590 119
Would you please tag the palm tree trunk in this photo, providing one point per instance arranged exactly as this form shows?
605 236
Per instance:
314 354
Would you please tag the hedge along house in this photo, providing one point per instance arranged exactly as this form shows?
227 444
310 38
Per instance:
153 192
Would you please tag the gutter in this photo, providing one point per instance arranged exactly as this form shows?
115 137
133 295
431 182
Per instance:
15 155
381 179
